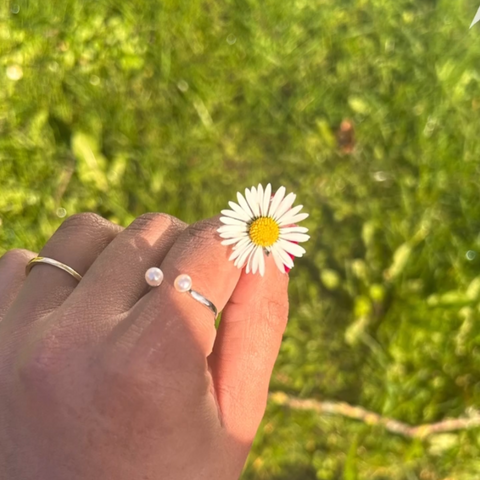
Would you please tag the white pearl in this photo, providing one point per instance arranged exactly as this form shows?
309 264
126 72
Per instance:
154 276
183 283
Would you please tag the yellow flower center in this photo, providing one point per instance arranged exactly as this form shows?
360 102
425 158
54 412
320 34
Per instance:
264 231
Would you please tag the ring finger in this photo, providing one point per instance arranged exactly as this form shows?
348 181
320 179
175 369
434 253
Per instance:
77 243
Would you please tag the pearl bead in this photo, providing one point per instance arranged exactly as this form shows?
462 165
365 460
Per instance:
154 276
183 283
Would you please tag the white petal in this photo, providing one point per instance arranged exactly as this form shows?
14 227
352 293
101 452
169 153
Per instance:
279 194
240 262
287 202
290 247
232 236
256 259
246 215
232 229
255 196
294 219
290 213
250 259
239 216
278 260
244 205
261 264
295 237
235 254
267 196
231 241
286 259
242 227
231 221
251 196
228 242
295 229
247 263
242 243
260 198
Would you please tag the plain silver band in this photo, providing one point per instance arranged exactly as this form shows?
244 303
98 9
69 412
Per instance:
54 263
204 301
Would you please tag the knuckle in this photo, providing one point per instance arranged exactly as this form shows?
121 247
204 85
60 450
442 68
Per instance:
89 225
150 220
206 229
15 257
85 219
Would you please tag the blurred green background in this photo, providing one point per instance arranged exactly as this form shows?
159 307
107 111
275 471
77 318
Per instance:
368 110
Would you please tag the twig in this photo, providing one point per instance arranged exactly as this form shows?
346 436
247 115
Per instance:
370 418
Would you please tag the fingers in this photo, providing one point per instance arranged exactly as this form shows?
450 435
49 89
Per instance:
246 348
176 329
77 243
116 281
12 276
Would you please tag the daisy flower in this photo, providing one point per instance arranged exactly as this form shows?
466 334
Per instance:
261 224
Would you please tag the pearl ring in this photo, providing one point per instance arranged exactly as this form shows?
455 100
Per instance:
183 283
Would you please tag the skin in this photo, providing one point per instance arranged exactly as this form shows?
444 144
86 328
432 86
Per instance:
110 378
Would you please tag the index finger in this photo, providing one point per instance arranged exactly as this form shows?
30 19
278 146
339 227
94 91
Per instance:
246 348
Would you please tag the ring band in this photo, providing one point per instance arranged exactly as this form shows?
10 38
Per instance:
183 283
54 263
204 301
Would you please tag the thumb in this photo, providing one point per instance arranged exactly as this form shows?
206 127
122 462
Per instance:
246 347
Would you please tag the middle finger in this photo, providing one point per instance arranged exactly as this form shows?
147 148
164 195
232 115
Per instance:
116 281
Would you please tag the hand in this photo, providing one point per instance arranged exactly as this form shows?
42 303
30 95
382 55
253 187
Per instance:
112 379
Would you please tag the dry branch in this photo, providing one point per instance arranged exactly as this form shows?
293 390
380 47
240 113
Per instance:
371 418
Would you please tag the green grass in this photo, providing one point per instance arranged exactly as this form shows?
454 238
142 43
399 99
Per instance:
144 105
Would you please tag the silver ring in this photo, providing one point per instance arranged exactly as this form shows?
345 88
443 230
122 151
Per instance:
204 301
183 283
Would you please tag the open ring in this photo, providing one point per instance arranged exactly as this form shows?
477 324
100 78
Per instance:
204 301
54 263
183 283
